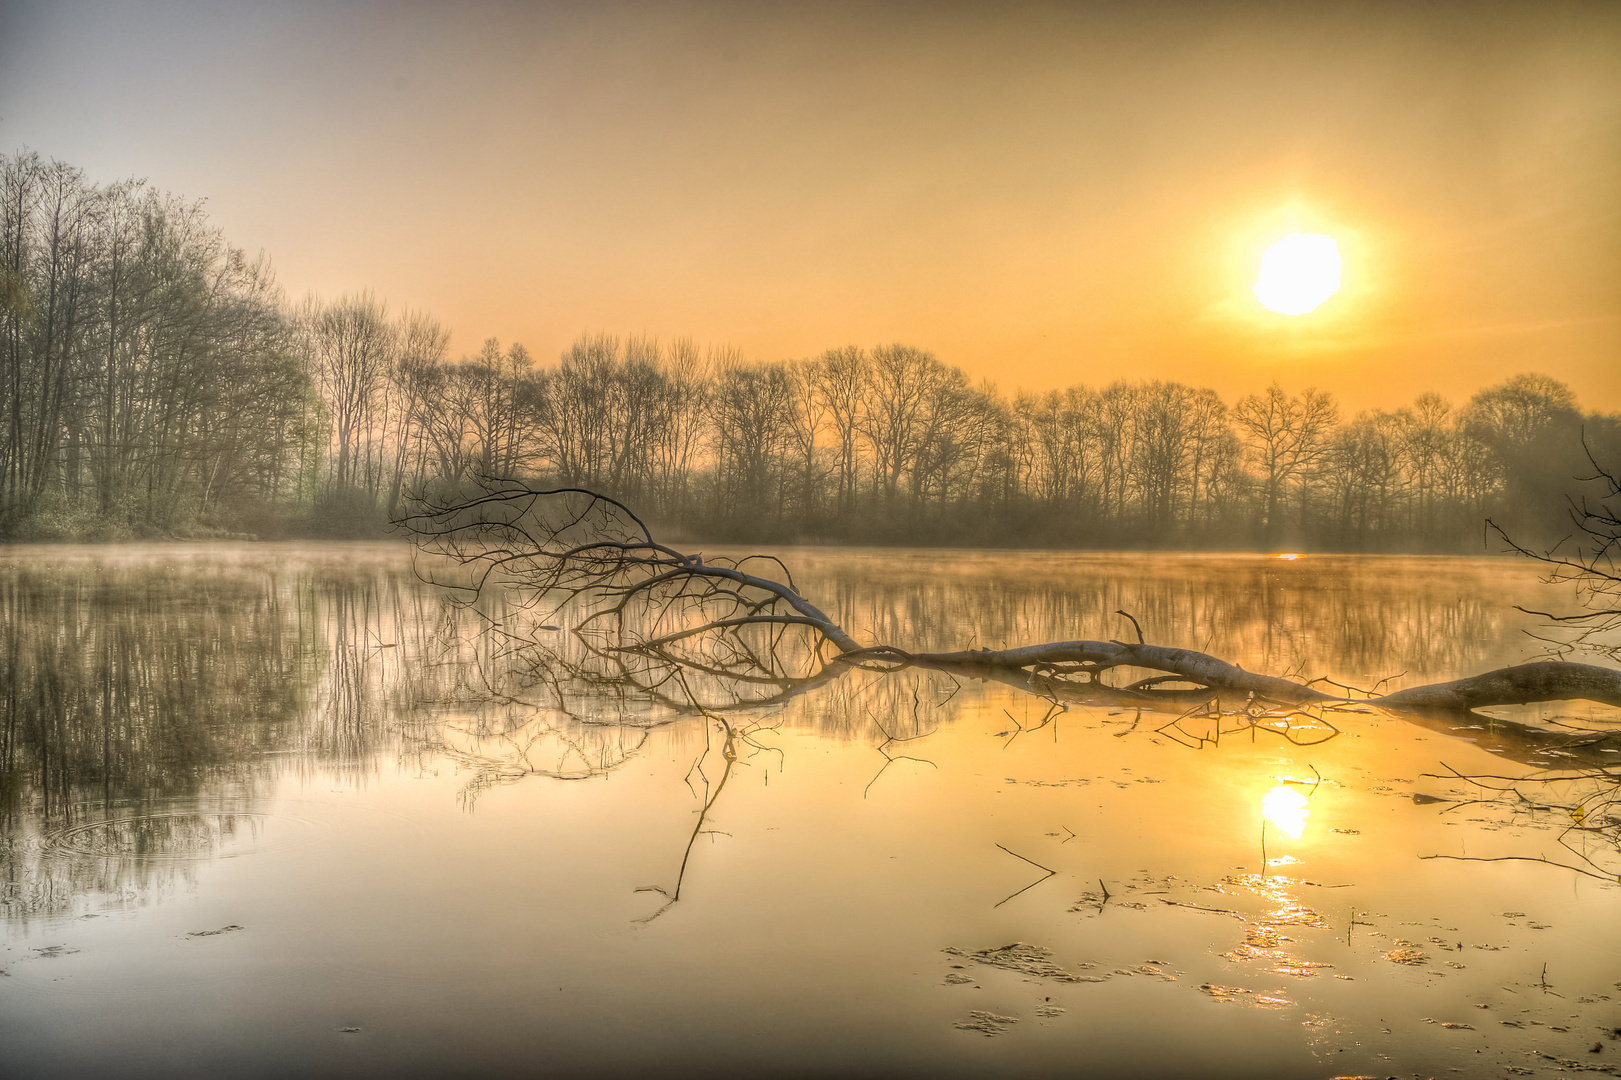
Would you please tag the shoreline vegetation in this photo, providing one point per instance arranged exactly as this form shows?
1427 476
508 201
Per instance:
156 384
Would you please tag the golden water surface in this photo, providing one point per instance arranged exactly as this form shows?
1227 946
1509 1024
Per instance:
271 810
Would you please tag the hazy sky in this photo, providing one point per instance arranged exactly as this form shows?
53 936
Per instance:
1043 194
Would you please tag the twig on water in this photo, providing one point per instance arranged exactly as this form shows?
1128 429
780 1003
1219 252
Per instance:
1522 858
1049 873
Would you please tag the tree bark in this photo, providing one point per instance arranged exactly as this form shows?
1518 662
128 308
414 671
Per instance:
1523 684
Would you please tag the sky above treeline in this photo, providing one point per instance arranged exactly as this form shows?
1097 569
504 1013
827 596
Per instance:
1042 194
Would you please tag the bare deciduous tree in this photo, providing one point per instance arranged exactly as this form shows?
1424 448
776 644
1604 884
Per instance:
351 343
1288 435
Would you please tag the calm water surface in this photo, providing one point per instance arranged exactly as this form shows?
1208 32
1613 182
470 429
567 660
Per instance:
272 810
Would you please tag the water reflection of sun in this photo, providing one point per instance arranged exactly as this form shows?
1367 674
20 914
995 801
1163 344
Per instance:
1286 808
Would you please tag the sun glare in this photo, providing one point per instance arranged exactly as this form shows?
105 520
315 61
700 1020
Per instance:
1298 273
1286 808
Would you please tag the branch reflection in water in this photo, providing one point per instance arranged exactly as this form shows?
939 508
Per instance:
621 607
153 696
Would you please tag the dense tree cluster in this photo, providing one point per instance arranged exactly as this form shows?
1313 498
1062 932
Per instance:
155 382
148 381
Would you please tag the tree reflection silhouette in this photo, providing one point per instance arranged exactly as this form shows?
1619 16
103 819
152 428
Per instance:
148 703
594 600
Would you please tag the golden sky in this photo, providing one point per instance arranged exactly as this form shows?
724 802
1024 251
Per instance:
1043 194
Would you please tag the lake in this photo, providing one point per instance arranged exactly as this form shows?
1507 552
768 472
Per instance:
276 810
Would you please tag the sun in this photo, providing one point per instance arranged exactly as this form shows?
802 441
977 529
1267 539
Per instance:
1298 273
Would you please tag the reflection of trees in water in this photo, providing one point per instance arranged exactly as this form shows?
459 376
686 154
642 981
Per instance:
143 686
382 648
1426 617
126 692
129 859
502 743
145 702
600 597
138 692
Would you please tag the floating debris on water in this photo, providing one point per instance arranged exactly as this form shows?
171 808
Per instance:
1073 782
1156 968
1201 907
1023 958
1239 993
987 1023
1406 952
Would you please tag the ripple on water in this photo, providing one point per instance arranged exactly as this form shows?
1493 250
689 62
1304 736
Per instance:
178 835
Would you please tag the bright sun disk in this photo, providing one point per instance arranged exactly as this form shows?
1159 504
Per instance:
1298 273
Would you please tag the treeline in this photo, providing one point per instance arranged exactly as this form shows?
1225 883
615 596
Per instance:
156 383
890 445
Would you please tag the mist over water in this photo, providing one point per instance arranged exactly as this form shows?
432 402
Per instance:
281 809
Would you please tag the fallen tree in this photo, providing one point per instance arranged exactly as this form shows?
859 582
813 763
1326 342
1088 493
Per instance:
709 634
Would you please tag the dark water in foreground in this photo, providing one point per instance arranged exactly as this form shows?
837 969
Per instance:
263 816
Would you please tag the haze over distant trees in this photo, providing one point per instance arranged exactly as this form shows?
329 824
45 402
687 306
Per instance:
153 381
